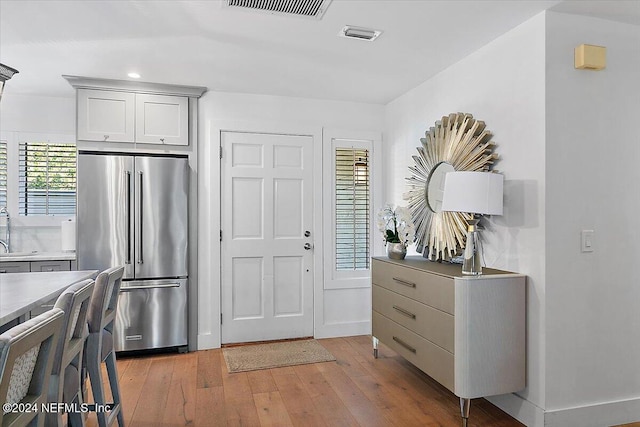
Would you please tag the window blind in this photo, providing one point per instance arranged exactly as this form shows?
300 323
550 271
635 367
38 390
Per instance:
352 209
47 184
3 173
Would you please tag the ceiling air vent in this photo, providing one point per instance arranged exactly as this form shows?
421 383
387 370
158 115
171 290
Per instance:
359 33
304 8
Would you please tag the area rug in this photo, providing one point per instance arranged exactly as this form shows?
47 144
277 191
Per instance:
275 355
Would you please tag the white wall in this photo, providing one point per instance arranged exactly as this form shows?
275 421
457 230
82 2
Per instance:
593 148
337 312
502 84
45 117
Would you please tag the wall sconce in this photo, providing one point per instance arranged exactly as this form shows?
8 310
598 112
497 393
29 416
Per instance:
6 73
477 193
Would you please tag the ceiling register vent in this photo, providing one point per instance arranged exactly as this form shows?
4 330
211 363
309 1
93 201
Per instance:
304 8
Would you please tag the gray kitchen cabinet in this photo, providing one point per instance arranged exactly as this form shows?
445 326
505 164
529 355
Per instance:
105 115
50 265
14 267
55 265
117 116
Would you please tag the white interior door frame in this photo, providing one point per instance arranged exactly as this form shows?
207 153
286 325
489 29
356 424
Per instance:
209 246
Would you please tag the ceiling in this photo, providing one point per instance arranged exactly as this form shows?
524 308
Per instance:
203 43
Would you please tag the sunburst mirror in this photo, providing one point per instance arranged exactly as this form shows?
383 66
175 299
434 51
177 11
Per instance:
458 142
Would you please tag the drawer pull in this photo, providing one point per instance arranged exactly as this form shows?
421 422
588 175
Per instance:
405 312
404 344
404 282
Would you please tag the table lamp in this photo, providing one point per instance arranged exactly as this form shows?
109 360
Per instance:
478 193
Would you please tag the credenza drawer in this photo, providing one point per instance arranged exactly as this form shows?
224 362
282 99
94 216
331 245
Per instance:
428 322
433 360
425 287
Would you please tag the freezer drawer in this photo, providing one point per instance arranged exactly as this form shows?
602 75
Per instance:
151 314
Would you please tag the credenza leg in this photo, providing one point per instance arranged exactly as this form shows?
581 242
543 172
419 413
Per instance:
375 347
465 406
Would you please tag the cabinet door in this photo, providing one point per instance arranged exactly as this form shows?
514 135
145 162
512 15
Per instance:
50 265
14 267
106 115
162 119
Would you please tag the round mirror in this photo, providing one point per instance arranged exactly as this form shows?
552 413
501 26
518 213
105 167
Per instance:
434 190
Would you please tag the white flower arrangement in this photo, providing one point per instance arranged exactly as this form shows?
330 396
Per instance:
396 225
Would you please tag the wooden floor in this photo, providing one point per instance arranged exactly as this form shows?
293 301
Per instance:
195 389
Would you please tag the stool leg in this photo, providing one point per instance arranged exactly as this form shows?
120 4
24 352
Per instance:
115 388
95 376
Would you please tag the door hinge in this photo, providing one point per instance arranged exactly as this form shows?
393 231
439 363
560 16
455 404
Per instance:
221 151
221 235
221 318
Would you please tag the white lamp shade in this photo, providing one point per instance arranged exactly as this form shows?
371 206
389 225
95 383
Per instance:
473 192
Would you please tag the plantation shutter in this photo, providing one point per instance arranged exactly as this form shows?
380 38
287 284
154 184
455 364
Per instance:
47 184
3 174
352 209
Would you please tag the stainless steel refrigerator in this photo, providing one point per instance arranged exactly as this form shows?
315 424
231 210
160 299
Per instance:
132 211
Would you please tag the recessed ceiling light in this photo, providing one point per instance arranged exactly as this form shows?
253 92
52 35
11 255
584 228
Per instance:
359 33
134 75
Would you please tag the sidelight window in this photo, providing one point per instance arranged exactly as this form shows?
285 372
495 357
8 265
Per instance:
352 207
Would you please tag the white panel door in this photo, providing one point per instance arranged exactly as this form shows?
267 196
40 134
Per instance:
267 218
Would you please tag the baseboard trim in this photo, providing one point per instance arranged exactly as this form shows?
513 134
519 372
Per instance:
519 408
597 415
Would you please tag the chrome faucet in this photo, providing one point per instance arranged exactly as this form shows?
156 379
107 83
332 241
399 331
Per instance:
7 234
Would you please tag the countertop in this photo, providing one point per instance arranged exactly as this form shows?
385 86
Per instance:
22 292
38 256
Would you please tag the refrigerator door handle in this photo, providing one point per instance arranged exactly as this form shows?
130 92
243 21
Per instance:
137 288
128 258
140 218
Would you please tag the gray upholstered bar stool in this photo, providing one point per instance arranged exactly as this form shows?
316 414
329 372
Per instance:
99 348
65 385
26 356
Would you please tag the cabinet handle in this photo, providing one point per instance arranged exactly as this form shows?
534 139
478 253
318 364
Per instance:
404 282
405 312
404 344
162 140
106 137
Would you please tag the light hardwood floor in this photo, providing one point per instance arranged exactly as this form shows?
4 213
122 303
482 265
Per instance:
195 389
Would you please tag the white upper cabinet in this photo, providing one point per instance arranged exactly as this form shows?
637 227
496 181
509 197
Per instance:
106 115
162 119
124 111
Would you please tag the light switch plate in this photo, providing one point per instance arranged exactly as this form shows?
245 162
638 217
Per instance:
587 240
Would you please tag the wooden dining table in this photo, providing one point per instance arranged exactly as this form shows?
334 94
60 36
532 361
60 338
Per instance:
22 292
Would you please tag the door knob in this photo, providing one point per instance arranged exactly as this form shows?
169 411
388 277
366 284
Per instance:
307 246
307 233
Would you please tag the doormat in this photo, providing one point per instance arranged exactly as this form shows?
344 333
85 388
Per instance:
275 355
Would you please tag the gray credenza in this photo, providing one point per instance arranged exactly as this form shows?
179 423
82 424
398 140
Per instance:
466 332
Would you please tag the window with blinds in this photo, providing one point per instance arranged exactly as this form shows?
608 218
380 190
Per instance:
3 174
47 184
352 209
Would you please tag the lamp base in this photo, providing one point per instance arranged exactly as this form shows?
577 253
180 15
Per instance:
472 265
